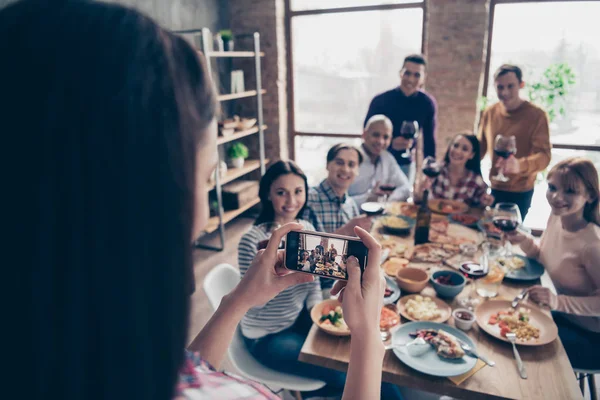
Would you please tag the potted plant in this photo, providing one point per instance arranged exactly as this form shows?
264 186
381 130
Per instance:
227 37
238 152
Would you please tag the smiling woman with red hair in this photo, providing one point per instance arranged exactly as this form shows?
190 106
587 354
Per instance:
570 252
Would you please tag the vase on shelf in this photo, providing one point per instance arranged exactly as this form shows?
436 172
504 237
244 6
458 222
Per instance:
237 162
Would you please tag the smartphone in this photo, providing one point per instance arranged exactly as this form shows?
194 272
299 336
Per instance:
323 254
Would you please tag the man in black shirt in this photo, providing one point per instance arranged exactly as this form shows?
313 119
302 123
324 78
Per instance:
408 102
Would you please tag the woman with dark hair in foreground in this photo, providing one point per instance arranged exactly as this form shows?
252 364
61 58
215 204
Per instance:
109 123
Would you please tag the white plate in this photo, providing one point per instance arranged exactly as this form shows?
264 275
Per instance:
392 284
430 363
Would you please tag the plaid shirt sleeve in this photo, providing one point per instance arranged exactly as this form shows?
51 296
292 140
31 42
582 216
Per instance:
199 380
469 190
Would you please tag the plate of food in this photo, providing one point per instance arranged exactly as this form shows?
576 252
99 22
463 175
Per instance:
416 307
531 325
328 316
392 291
519 268
397 224
403 208
393 265
443 206
433 252
442 356
389 320
465 219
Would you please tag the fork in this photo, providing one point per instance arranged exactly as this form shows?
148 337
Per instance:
469 350
512 338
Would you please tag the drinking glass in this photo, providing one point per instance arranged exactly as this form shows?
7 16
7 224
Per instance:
504 146
387 189
431 167
507 218
409 130
473 271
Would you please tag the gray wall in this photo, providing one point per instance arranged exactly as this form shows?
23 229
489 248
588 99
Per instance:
178 14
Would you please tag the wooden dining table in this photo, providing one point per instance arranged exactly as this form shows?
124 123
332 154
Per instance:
550 375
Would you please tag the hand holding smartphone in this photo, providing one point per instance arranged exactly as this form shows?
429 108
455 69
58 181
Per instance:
323 254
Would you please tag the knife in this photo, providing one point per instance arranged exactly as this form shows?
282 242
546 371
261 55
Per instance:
519 298
470 352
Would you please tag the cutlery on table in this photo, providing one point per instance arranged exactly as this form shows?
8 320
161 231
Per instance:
512 339
469 351
395 346
519 298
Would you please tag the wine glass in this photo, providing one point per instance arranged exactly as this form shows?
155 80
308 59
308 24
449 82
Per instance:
431 167
387 189
504 146
506 217
473 271
409 130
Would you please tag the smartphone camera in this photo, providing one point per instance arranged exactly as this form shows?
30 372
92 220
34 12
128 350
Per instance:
323 254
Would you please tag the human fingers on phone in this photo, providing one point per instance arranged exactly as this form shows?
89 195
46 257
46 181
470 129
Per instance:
372 269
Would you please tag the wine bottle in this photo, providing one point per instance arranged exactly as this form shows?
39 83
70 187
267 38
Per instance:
423 221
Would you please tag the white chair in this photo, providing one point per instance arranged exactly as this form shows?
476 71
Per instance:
582 375
220 281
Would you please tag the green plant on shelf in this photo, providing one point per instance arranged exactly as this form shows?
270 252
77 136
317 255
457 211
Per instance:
238 150
226 35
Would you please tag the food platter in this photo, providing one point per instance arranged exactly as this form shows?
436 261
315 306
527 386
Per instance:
444 309
446 207
548 331
429 362
393 287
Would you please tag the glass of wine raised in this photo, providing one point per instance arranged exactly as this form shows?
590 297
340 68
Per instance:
387 189
473 271
504 146
431 167
409 130
506 217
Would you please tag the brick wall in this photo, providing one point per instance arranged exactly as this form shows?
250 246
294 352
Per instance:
455 47
267 18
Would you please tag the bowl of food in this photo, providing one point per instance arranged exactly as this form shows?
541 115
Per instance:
397 224
463 319
412 280
447 284
372 208
329 317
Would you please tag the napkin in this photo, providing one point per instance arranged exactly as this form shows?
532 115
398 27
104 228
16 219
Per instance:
461 378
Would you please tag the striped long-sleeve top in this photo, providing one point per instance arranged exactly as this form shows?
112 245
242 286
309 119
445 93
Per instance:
282 311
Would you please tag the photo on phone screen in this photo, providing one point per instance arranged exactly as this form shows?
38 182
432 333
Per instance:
323 254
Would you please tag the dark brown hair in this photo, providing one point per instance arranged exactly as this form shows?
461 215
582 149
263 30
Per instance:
415 58
474 164
105 115
277 169
334 150
508 68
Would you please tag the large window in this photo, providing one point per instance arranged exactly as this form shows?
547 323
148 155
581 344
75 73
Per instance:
536 35
343 53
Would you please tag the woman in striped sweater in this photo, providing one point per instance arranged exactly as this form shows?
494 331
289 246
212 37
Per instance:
275 332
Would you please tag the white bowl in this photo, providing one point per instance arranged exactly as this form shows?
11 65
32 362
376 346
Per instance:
462 324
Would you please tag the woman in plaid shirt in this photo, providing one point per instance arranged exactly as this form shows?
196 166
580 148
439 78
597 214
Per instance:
460 177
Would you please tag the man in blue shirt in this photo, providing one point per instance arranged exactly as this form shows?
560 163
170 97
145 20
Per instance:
408 102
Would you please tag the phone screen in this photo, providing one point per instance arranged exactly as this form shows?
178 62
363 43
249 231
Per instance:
322 254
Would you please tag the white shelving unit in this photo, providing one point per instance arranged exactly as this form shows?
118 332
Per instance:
217 223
